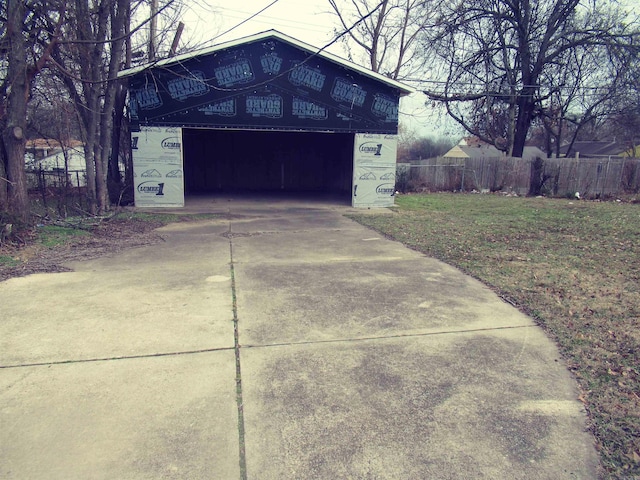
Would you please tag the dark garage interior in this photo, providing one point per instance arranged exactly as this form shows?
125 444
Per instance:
267 161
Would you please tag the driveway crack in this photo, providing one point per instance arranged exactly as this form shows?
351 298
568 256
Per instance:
236 340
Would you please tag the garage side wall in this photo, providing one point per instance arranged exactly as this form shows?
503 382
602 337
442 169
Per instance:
157 167
374 170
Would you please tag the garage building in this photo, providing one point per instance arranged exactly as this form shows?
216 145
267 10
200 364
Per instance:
263 113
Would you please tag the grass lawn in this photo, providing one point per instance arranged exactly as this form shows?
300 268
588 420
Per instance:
571 265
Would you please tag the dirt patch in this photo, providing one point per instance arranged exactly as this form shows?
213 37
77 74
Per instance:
106 237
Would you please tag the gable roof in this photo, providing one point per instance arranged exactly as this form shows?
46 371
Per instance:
272 34
593 149
51 144
489 151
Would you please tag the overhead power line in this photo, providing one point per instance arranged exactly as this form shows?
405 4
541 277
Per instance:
245 20
286 72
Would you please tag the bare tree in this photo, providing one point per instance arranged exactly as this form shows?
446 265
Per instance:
84 43
97 45
15 116
624 120
583 89
163 39
388 38
423 147
81 59
23 57
504 63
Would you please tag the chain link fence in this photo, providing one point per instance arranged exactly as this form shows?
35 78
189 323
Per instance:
58 189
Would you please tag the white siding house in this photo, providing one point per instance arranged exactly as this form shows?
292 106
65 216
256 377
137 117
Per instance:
52 159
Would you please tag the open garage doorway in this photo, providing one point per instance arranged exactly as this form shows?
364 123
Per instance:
267 161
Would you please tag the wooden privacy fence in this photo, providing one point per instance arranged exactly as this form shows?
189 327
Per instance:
591 177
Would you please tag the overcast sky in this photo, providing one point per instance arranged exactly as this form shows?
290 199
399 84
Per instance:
306 20
309 21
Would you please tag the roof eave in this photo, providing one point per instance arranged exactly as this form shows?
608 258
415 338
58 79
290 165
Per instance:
404 89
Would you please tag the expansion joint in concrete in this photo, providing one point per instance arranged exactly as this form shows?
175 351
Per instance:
236 339
115 358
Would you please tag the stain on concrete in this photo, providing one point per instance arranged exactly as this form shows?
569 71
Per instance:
437 408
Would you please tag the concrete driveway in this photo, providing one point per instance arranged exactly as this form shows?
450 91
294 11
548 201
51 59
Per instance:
280 341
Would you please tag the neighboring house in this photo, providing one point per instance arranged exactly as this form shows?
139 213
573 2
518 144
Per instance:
53 158
473 148
594 149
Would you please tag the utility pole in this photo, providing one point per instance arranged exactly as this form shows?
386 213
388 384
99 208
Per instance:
153 30
176 39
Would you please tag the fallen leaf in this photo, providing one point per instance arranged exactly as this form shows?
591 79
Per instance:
634 456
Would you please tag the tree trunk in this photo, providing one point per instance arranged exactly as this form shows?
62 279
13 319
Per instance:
102 193
4 205
537 177
118 181
15 129
114 175
523 123
18 196
88 131
92 30
114 101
